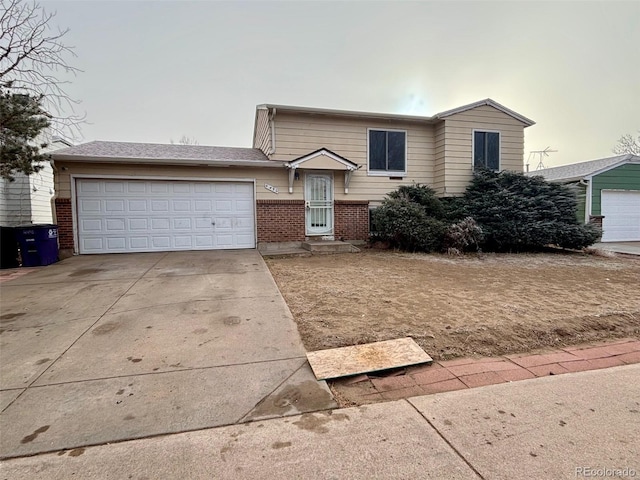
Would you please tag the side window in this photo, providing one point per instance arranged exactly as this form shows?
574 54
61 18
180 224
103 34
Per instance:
486 150
387 152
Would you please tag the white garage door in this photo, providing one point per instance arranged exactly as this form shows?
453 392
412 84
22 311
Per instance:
621 210
152 215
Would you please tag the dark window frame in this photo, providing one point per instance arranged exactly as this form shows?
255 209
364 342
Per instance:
484 144
386 171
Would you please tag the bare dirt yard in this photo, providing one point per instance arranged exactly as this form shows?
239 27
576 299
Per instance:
488 304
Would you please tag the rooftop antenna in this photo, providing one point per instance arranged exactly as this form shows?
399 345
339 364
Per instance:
541 154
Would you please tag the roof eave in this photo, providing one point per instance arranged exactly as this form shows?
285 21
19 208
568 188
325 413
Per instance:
169 161
627 159
487 101
346 113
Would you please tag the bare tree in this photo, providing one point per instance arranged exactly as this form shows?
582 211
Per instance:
184 140
32 60
627 144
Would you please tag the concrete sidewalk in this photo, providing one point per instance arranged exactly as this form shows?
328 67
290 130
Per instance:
629 248
553 427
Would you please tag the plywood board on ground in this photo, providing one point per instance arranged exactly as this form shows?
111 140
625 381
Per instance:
369 357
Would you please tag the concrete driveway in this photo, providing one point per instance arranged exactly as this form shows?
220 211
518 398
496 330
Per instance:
630 248
99 349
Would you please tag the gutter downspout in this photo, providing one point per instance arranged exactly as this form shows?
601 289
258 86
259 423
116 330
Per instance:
55 193
587 200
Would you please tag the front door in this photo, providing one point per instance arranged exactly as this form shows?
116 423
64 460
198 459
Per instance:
319 204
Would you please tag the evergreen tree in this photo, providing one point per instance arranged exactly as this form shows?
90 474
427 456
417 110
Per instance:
21 121
520 213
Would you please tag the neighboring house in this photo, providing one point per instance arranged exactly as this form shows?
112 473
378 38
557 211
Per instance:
28 198
608 192
312 173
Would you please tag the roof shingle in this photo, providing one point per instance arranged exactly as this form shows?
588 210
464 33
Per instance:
576 171
152 151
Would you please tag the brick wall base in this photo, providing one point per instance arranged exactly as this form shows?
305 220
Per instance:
351 219
596 220
64 220
280 220
284 220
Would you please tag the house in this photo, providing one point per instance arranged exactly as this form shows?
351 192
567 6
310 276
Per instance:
28 198
608 191
311 174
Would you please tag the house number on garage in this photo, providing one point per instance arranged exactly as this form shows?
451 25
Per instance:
271 188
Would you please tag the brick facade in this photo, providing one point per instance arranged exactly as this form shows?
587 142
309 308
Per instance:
280 220
596 220
284 220
64 220
351 219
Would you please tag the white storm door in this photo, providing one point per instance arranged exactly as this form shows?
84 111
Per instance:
319 204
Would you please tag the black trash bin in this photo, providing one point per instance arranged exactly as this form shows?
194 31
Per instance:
8 248
38 244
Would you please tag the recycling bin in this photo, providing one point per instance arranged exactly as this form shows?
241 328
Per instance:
8 248
38 244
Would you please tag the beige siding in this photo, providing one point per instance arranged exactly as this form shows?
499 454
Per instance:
276 177
440 155
300 134
262 131
458 144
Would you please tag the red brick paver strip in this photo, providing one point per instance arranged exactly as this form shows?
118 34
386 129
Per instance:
457 361
594 352
544 370
597 363
627 347
515 375
577 366
632 357
543 359
437 375
446 386
463 373
481 379
483 366
403 393
393 383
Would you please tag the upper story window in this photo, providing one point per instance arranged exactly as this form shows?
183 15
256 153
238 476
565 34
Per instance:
387 152
486 150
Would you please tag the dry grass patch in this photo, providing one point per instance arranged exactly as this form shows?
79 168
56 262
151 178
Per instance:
487 305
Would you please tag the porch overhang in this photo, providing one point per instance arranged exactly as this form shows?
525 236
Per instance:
322 159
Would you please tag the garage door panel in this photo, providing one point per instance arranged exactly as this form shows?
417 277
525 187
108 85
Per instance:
116 243
89 186
140 215
621 211
159 205
137 205
114 187
89 206
115 224
92 225
136 187
139 243
181 206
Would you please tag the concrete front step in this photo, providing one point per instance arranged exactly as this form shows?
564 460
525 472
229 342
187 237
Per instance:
329 246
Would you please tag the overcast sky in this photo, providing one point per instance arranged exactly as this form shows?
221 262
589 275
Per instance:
154 71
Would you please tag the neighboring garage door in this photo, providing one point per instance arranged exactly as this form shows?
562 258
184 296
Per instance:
621 211
153 215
